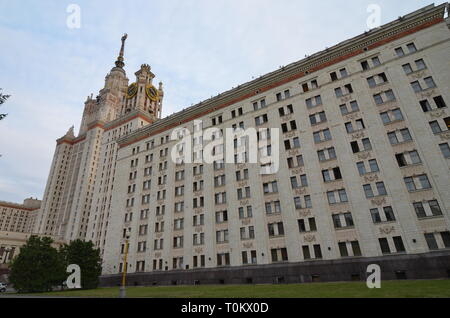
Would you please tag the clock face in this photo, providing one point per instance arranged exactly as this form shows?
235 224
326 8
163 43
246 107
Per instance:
152 93
132 90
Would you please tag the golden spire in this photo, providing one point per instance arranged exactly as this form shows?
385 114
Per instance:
119 62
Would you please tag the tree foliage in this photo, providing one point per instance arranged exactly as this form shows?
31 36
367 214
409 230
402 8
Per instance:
3 99
38 267
87 257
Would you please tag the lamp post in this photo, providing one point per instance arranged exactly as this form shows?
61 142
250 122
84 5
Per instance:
122 291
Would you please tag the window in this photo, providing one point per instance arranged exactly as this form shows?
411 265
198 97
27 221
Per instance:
261 120
407 68
259 104
426 209
338 196
416 86
279 254
326 154
429 82
431 241
399 51
413 182
420 64
314 101
411 47
377 80
384 245
321 136
445 149
439 102
435 127
270 187
398 243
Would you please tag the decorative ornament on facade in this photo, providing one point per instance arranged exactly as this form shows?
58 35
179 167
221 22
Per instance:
198 229
346 99
248 245
304 213
286 118
364 155
371 177
358 135
297 171
379 201
300 191
198 250
428 93
387 229
445 135
246 222
309 238
417 75
437 113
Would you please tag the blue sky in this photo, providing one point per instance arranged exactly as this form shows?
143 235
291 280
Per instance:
197 48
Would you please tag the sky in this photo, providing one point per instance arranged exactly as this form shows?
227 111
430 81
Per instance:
197 48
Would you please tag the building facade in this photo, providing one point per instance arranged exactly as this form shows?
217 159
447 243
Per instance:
15 217
77 197
357 141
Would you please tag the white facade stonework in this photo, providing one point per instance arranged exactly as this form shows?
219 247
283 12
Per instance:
373 177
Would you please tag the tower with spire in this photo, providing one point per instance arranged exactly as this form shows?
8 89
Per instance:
78 191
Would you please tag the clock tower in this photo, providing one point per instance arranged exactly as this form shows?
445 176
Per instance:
143 95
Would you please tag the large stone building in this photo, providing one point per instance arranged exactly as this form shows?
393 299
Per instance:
357 138
16 217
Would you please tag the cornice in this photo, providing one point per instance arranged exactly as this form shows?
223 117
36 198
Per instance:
404 26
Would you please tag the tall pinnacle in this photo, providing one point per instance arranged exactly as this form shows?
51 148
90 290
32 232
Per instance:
119 62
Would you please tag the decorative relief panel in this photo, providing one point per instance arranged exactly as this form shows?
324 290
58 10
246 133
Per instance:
428 93
364 155
379 201
246 221
304 213
346 99
309 238
198 210
290 134
248 245
387 229
286 118
437 113
242 184
300 191
359 135
417 75
370 177
445 135
297 170
198 229
198 250
293 152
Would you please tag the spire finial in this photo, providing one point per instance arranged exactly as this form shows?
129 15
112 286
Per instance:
119 62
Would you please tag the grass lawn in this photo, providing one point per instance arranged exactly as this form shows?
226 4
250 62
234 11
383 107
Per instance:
404 288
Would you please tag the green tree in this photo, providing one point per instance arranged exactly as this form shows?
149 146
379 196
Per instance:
3 99
38 267
87 257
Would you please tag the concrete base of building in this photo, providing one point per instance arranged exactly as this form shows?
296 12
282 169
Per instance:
433 265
